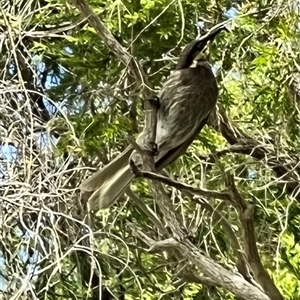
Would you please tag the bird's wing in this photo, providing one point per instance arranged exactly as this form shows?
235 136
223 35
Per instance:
174 153
186 100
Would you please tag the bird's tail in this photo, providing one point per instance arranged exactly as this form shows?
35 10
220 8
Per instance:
109 183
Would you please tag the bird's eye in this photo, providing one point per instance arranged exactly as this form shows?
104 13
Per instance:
200 46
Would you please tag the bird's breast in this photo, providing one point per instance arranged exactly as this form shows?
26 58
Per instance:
189 88
186 99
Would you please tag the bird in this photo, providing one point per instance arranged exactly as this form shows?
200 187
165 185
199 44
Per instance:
186 100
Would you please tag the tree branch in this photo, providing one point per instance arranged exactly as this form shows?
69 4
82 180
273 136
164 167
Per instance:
246 216
236 247
219 276
286 171
223 195
208 267
217 217
147 139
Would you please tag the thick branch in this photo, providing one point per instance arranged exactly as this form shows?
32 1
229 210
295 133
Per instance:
246 216
237 250
219 276
192 278
148 141
208 194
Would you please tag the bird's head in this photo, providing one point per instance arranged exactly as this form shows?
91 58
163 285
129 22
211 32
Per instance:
195 51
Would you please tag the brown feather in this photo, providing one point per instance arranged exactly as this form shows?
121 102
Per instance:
186 101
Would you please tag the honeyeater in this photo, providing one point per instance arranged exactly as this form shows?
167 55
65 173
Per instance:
186 100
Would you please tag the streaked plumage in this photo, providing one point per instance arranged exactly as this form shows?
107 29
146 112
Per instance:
186 100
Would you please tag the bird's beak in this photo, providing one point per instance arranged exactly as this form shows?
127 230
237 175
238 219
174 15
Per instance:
209 36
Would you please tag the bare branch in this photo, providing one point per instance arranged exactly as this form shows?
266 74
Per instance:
246 216
160 196
190 277
218 275
241 147
184 187
237 250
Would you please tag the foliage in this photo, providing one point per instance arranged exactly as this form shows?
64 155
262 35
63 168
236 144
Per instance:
67 103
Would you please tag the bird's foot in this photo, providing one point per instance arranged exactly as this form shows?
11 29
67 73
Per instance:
154 149
135 169
155 101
